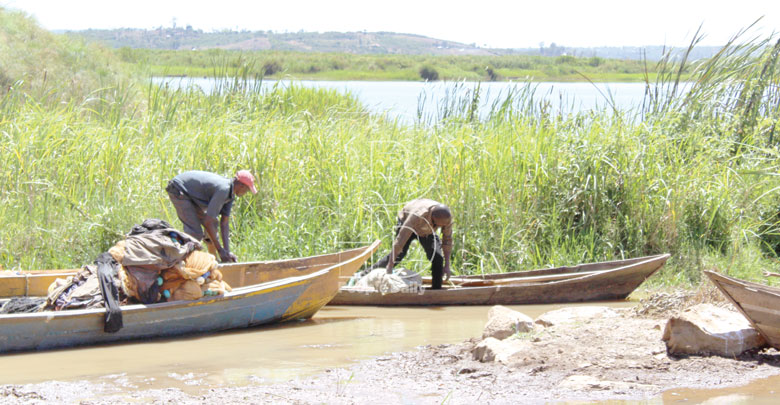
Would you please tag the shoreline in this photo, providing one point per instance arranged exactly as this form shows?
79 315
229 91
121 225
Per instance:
587 360
515 80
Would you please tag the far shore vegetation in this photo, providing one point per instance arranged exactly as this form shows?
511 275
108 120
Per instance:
344 66
87 145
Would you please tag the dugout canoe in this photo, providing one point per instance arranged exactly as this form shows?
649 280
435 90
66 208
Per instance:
263 292
611 280
759 303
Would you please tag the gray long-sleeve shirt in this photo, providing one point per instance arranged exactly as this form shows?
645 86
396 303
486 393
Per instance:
210 191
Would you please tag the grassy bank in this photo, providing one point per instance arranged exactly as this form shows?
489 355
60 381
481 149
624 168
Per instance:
694 173
54 68
342 66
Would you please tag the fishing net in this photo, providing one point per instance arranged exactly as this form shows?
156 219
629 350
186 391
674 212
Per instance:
402 280
22 305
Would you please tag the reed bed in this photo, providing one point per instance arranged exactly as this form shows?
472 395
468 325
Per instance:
692 172
383 67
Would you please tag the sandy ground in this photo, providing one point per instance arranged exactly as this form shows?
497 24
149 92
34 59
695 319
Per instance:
619 358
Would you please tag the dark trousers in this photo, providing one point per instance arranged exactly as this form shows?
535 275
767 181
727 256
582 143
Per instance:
190 215
432 246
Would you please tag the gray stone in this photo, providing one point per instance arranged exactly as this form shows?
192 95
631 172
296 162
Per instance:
707 329
504 322
502 351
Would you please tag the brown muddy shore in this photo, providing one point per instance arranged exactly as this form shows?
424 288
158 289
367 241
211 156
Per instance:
595 359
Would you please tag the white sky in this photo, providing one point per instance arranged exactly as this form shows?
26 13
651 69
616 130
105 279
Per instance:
498 23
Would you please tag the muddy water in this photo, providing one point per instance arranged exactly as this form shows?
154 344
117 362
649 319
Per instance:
335 337
765 391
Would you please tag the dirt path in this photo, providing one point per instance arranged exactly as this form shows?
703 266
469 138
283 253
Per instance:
615 358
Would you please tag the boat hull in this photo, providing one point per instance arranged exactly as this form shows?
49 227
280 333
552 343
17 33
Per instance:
591 282
36 283
49 330
286 298
760 304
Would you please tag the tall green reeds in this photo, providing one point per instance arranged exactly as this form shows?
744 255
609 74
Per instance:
693 173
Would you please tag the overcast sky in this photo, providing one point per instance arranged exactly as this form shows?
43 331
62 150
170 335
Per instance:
500 24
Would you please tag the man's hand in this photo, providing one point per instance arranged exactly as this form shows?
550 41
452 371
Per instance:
227 257
447 273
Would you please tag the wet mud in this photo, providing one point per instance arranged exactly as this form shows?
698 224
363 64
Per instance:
609 359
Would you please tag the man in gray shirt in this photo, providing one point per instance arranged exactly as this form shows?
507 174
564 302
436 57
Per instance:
199 197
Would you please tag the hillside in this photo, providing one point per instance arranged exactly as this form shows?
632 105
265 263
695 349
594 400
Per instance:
36 60
386 43
343 42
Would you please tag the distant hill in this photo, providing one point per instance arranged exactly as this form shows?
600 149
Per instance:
651 53
347 42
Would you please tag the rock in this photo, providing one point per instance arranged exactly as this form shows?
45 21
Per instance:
504 322
485 351
574 314
707 329
502 351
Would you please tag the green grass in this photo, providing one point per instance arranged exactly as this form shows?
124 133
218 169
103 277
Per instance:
694 173
340 66
53 67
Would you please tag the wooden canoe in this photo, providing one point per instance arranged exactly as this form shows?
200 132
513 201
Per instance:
759 303
263 292
585 282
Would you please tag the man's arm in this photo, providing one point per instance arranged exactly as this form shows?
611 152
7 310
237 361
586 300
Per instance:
211 231
224 226
446 249
215 208
404 233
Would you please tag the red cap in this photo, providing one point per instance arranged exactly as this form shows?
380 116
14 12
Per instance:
245 177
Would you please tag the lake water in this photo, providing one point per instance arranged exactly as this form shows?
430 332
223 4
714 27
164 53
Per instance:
335 337
404 101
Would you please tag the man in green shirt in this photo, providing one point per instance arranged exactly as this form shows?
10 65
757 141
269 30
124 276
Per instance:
199 197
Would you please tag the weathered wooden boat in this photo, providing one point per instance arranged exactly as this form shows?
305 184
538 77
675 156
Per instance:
759 303
585 282
263 292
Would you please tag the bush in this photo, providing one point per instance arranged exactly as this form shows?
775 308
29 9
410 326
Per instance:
595 61
565 59
271 67
429 74
491 73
